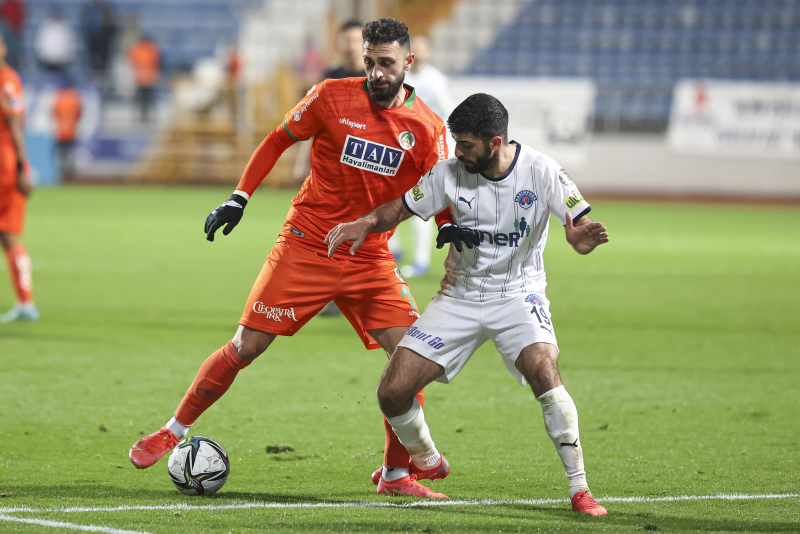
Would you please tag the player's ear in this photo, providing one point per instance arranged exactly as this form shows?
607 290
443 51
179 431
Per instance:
495 143
409 61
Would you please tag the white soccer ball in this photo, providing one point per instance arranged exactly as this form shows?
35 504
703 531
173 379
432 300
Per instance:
198 466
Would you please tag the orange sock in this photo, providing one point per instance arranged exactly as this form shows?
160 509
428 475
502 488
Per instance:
19 268
394 454
212 381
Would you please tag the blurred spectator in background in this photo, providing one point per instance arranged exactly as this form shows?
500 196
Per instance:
67 108
15 186
145 59
431 85
99 30
55 44
351 46
122 73
312 65
12 22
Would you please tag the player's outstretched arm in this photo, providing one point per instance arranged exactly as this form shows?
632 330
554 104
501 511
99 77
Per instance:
228 214
587 236
381 219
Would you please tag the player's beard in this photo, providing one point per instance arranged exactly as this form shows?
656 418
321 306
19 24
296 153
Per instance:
386 93
480 164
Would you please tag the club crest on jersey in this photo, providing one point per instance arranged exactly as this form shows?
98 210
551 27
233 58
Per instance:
371 156
535 299
525 199
407 140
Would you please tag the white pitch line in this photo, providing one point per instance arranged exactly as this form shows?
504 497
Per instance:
414 504
73 526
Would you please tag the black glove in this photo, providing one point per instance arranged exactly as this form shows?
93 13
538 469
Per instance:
450 233
229 213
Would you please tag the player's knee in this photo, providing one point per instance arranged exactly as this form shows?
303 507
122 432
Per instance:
250 344
391 399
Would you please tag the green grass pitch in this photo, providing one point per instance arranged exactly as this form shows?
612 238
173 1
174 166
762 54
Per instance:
680 345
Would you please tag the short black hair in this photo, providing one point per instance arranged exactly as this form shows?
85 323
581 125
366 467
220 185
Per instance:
480 115
350 24
384 31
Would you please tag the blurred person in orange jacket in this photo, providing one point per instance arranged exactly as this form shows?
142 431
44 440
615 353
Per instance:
15 186
145 58
67 108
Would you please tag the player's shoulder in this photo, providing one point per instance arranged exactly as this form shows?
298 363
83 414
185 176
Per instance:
342 84
9 75
530 157
420 108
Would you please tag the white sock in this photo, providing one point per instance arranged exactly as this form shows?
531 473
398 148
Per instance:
176 428
394 473
413 433
561 422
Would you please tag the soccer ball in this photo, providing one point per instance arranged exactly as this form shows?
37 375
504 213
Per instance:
198 466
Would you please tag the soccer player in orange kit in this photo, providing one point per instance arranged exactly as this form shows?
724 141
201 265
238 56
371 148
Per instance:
373 139
15 186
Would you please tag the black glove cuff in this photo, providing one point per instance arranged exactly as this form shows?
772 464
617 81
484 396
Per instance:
240 199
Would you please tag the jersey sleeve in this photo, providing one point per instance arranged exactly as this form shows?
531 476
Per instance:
11 98
440 152
563 195
307 118
427 198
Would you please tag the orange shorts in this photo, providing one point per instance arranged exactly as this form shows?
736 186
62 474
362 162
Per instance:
12 209
296 283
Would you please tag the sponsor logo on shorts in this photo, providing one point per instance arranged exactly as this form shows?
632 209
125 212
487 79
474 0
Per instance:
564 178
299 113
417 193
273 313
574 200
371 156
525 199
295 231
433 341
351 124
407 140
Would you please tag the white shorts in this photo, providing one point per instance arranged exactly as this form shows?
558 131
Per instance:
451 330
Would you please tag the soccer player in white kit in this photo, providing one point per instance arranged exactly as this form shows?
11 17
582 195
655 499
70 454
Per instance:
501 196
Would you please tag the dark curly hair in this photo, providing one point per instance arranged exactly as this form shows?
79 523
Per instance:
480 115
384 31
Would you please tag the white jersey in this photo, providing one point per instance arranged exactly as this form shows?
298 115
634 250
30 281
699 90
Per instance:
512 214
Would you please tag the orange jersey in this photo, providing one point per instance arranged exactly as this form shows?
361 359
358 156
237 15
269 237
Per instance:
144 57
67 113
363 155
11 103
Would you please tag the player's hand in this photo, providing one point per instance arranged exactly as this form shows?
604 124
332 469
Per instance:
450 233
355 232
585 238
24 184
229 214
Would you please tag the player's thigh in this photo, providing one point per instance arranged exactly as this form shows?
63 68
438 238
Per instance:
518 322
448 333
293 286
12 210
375 297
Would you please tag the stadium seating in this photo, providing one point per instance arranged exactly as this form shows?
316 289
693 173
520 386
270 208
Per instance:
636 50
184 30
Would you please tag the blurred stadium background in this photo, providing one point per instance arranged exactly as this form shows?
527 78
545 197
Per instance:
634 97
